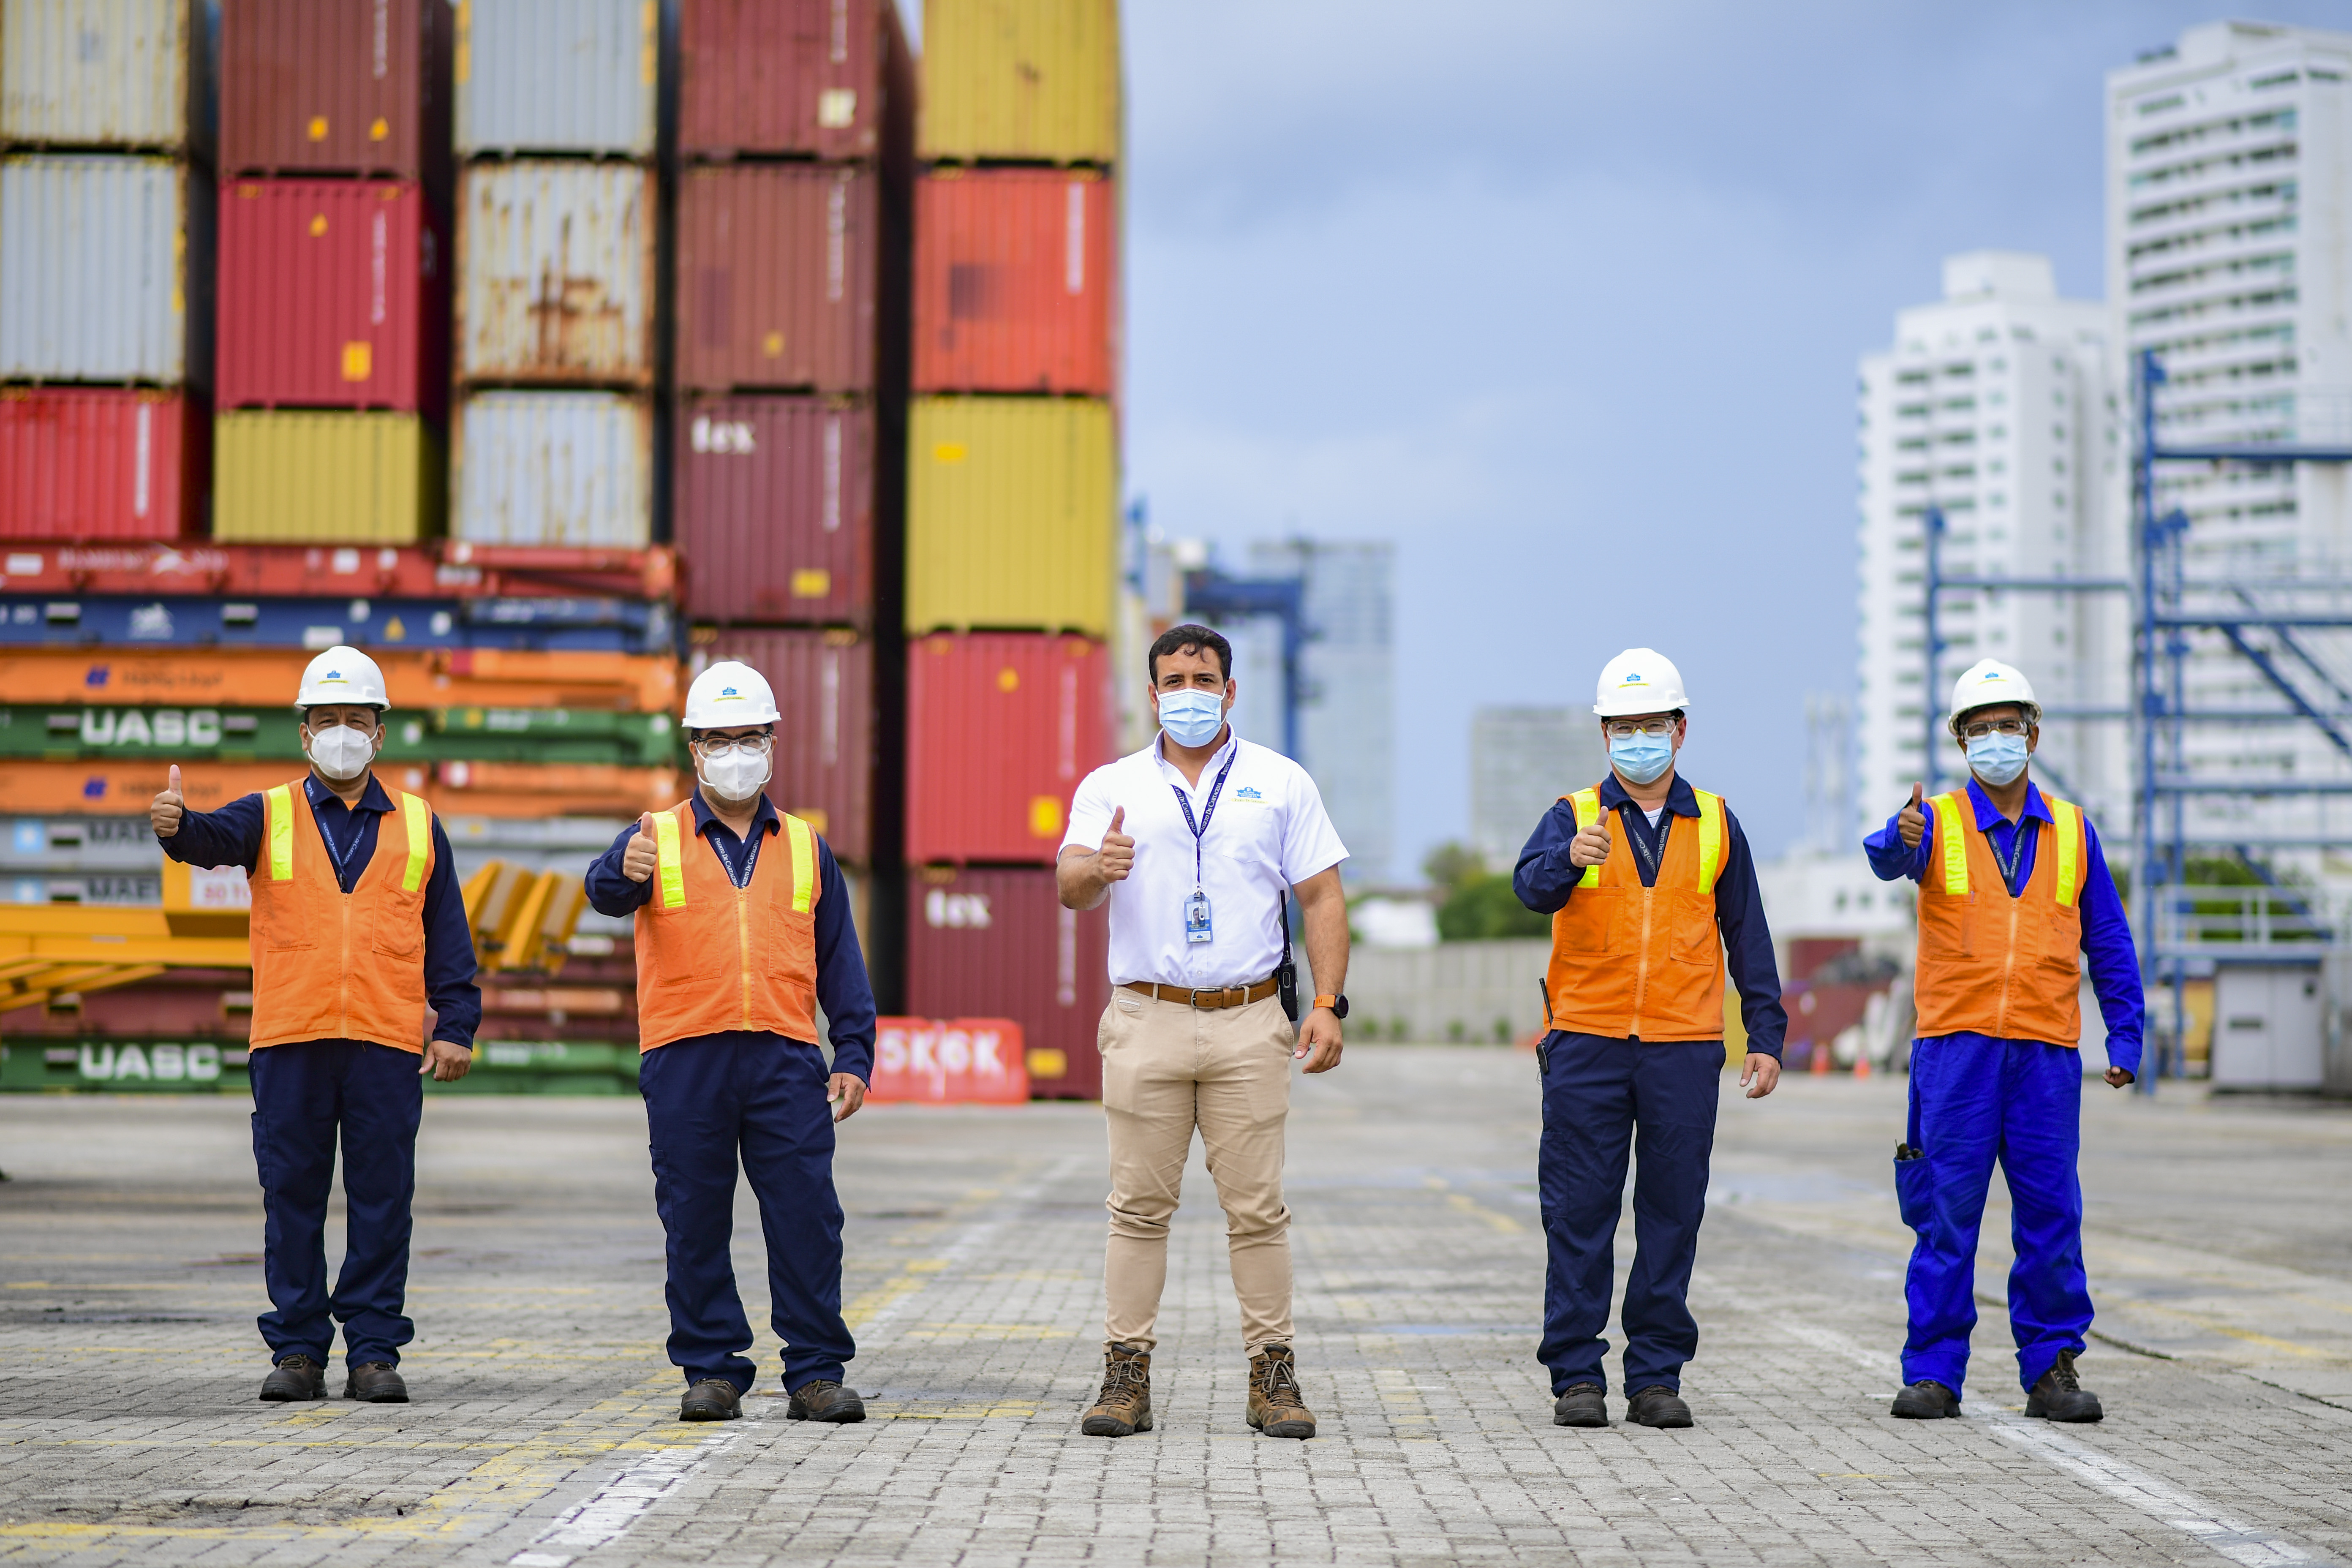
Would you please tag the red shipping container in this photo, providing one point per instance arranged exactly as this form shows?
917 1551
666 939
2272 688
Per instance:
998 942
824 682
347 87
1001 726
773 510
1014 281
777 276
949 1061
832 79
332 295
100 463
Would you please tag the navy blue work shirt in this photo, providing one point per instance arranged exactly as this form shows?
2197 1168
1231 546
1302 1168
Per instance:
233 834
2106 933
1545 878
842 989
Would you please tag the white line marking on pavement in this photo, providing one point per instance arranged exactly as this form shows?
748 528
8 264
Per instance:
609 1511
2183 1510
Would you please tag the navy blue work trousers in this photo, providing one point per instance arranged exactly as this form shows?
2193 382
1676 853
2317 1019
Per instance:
1975 1099
307 1097
1602 1099
762 1097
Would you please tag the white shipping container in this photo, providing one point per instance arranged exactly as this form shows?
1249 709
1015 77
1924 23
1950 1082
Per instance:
104 73
553 468
555 273
105 270
557 75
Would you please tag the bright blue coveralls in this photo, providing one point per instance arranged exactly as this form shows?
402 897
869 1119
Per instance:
711 1097
307 1095
1975 1099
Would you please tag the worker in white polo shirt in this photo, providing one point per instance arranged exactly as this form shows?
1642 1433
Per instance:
1198 841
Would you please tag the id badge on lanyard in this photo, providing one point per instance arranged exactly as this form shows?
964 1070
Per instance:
1200 924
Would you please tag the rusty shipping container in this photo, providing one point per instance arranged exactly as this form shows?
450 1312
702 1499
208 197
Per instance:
566 468
332 296
773 509
86 463
555 274
827 78
106 73
558 76
1000 729
258 678
340 87
824 682
996 943
778 276
1015 281
1031 79
105 269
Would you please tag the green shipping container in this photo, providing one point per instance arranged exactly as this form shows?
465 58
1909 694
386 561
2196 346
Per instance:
271 734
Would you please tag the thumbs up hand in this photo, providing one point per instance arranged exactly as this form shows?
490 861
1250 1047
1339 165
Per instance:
1912 820
1590 844
637 862
1116 858
168 807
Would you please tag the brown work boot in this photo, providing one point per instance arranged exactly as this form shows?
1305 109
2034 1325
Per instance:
1124 1407
1275 1406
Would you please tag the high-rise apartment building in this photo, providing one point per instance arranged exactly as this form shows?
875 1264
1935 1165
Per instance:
1998 404
2229 253
1522 759
1346 724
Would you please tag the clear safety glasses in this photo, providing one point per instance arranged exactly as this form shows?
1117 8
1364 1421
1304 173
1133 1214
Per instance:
1655 729
716 746
1983 727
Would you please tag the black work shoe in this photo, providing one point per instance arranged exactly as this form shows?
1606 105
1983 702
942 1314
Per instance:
1927 1400
2060 1397
713 1399
295 1377
375 1382
1657 1406
825 1400
1580 1404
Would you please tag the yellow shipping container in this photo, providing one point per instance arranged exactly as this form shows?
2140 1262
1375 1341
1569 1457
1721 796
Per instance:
305 478
1011 514
1020 79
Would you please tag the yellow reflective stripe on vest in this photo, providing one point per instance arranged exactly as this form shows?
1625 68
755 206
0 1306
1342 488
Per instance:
1951 838
420 841
803 842
672 867
277 807
1587 802
2069 819
1710 840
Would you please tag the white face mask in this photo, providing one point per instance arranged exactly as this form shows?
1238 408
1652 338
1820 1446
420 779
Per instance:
736 775
341 752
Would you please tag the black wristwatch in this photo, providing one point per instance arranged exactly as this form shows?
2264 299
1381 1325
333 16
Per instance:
1337 1005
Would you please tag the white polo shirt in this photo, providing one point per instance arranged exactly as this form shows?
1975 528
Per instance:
1268 833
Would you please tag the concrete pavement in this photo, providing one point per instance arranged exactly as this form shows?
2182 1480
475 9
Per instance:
544 1428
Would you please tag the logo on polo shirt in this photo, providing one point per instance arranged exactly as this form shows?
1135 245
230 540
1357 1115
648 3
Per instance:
1247 793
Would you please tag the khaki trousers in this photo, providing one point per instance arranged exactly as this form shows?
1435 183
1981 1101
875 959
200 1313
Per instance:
1168 1068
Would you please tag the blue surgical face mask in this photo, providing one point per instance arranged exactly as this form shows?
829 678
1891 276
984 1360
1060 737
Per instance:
1192 716
1642 759
1997 758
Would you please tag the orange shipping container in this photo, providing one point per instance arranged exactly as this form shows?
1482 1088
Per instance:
520 790
1016 287
265 678
778 276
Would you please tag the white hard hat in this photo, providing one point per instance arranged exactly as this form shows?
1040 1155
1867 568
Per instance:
1988 682
1639 680
728 696
341 674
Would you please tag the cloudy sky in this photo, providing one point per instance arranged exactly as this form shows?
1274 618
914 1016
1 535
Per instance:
1565 298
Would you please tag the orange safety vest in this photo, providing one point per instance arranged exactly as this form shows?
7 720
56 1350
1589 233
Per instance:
331 965
712 956
1996 965
1635 963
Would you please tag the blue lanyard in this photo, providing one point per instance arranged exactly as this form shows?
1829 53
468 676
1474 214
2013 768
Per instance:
1201 828
343 857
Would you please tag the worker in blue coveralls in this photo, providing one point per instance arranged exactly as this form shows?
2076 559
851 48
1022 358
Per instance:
2013 889
743 932
1652 891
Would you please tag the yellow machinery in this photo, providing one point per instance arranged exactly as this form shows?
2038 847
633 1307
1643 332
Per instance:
47 950
522 920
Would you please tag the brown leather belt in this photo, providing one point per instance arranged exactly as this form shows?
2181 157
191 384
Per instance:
1228 997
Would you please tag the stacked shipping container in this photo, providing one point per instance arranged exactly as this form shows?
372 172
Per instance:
1012 512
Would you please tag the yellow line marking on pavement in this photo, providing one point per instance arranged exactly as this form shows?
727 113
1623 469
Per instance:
990 1331
1400 1400
1472 1206
2267 1342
